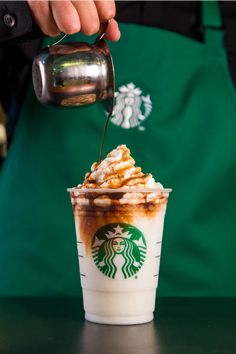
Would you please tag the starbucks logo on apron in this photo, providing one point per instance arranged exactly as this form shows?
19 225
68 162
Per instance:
131 107
119 250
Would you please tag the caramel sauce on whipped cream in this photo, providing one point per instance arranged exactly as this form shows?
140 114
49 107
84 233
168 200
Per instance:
118 170
134 194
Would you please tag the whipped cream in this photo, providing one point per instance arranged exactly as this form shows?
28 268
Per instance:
118 170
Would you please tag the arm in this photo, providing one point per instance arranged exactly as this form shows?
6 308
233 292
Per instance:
15 20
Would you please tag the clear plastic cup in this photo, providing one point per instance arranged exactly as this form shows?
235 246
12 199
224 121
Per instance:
119 236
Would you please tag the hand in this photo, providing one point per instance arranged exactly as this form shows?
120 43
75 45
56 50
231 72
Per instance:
56 16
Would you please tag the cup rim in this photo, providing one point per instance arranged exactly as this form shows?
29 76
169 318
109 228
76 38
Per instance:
119 190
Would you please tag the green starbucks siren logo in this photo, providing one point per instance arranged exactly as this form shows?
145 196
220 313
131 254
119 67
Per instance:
119 250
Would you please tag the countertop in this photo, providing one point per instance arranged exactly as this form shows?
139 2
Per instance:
48 325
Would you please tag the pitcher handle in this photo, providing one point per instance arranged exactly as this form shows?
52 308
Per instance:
103 29
59 40
104 26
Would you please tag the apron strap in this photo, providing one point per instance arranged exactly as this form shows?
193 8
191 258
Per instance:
212 24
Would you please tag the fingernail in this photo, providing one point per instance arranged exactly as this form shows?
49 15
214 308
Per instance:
118 35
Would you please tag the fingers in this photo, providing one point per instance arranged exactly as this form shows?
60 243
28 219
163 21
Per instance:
107 11
88 15
70 17
43 17
113 32
66 16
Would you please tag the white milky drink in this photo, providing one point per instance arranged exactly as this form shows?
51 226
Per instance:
119 236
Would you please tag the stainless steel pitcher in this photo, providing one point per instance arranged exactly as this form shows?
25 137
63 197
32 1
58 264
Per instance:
75 74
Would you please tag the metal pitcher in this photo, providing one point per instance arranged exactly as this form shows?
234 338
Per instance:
75 74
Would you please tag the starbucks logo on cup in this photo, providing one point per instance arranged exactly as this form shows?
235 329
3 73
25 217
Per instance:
119 250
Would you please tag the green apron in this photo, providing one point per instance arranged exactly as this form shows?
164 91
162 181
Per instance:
176 111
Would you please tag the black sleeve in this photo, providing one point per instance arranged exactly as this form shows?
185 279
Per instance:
16 22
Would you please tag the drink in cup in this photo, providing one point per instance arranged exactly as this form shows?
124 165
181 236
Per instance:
119 216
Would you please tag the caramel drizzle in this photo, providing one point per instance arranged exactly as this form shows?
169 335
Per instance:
116 177
104 135
119 181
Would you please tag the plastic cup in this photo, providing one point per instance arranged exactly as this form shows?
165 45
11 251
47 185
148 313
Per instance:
119 236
